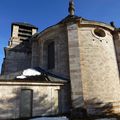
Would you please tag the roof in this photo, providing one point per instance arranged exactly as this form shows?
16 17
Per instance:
74 19
35 74
70 18
24 24
67 19
51 74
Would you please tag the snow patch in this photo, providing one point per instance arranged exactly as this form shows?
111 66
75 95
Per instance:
21 77
28 72
50 118
31 72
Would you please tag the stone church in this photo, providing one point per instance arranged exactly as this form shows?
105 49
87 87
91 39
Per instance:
70 68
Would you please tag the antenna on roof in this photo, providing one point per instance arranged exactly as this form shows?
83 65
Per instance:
71 8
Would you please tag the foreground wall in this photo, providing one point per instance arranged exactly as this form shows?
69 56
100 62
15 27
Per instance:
29 99
93 68
99 69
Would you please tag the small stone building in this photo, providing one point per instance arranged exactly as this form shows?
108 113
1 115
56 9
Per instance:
38 95
83 54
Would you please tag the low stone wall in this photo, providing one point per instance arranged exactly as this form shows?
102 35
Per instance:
30 99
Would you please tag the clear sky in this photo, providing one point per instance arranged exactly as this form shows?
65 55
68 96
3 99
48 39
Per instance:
44 13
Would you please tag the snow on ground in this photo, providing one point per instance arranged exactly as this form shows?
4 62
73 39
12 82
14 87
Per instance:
50 118
28 72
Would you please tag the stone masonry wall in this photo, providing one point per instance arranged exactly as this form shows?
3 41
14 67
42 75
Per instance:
45 99
15 61
99 70
94 71
75 69
18 52
39 50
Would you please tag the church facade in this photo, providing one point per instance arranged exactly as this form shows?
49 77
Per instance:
77 69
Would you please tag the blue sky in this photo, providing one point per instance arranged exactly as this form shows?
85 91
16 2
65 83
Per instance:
44 13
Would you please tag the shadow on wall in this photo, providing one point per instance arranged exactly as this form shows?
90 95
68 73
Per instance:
44 105
8 105
24 46
94 108
11 105
16 53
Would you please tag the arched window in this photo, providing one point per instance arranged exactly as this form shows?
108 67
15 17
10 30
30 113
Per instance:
51 55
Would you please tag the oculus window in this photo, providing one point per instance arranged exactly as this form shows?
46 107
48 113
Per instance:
99 32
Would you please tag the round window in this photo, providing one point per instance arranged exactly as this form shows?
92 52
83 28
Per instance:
99 32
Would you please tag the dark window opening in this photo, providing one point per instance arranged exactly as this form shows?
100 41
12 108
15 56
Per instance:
24 35
99 32
25 27
25 31
26 99
51 55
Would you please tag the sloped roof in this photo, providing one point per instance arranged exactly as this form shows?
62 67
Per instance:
35 74
70 18
51 74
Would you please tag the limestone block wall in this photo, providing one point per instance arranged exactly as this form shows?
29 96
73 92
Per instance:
94 71
18 51
15 61
34 31
44 99
99 70
39 50
75 68
15 31
14 40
